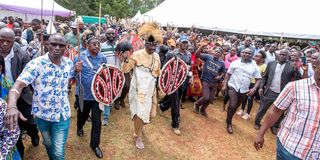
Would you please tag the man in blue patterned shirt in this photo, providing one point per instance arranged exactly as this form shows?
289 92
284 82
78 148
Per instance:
49 76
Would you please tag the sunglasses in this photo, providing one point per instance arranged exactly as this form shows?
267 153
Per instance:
110 34
57 44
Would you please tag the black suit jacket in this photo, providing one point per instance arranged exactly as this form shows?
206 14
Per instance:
288 75
18 62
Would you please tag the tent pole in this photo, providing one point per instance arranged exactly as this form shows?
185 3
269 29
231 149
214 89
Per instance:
41 37
52 17
100 18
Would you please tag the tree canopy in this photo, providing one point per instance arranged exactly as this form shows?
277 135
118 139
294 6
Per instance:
118 8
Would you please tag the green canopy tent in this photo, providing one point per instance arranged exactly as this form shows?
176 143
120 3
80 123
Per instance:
92 20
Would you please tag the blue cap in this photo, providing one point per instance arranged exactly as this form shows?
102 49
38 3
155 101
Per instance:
183 39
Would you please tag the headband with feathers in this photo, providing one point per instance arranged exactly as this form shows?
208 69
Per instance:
151 32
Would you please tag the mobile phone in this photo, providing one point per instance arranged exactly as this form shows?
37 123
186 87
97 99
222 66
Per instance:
304 60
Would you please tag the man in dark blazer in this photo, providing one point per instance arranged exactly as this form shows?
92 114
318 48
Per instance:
277 75
15 61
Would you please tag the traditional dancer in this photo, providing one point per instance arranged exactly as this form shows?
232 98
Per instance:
146 68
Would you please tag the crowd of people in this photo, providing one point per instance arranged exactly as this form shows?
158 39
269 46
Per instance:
37 70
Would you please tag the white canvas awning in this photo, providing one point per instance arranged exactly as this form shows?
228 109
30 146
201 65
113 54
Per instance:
30 9
277 18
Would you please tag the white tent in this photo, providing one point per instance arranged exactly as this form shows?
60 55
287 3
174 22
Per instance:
27 10
138 17
278 18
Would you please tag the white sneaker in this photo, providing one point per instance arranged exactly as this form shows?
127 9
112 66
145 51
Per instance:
240 112
246 116
104 122
176 131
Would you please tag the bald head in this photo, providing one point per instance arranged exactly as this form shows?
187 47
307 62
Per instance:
57 37
6 41
7 32
283 56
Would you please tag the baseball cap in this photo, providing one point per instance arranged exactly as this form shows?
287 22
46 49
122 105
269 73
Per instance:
183 39
73 25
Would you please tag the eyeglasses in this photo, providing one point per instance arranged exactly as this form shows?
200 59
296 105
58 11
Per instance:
57 44
110 34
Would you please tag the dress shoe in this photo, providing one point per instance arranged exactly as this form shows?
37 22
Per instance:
80 132
229 128
274 130
117 105
35 140
98 152
204 113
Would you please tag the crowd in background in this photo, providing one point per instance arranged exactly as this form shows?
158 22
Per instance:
242 69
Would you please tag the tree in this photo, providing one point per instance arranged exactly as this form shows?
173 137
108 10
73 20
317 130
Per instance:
118 8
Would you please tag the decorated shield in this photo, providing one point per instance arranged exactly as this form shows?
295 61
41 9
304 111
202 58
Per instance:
107 84
173 75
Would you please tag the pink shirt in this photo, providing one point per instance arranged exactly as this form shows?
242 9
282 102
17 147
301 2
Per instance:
228 59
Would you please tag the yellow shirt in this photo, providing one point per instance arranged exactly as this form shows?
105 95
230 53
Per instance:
142 58
262 69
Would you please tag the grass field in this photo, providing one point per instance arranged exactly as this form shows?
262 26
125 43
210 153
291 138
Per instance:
201 138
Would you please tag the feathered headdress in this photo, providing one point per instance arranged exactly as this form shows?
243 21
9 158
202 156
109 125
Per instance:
151 32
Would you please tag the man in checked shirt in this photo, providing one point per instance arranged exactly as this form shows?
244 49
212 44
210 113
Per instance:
299 135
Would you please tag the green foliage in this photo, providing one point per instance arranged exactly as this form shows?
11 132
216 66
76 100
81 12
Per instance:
118 8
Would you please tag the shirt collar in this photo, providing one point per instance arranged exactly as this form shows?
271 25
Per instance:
63 61
10 55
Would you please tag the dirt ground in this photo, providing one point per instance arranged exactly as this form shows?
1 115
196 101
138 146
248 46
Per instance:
201 138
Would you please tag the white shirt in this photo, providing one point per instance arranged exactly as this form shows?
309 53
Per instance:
270 57
7 61
241 75
276 81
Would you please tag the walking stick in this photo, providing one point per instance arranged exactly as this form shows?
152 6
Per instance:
81 89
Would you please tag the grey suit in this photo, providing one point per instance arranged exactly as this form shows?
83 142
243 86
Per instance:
18 62
288 75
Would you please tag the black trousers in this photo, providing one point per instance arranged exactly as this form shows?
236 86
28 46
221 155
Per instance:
250 99
95 120
172 101
30 125
125 89
236 99
208 92
266 101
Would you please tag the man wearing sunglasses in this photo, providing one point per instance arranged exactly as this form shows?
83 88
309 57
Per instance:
108 49
49 76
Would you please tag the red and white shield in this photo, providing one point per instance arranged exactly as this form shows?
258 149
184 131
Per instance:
173 75
107 84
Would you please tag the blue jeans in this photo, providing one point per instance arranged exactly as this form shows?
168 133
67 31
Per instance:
106 112
283 154
54 136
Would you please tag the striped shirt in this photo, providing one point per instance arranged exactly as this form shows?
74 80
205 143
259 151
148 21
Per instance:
300 129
